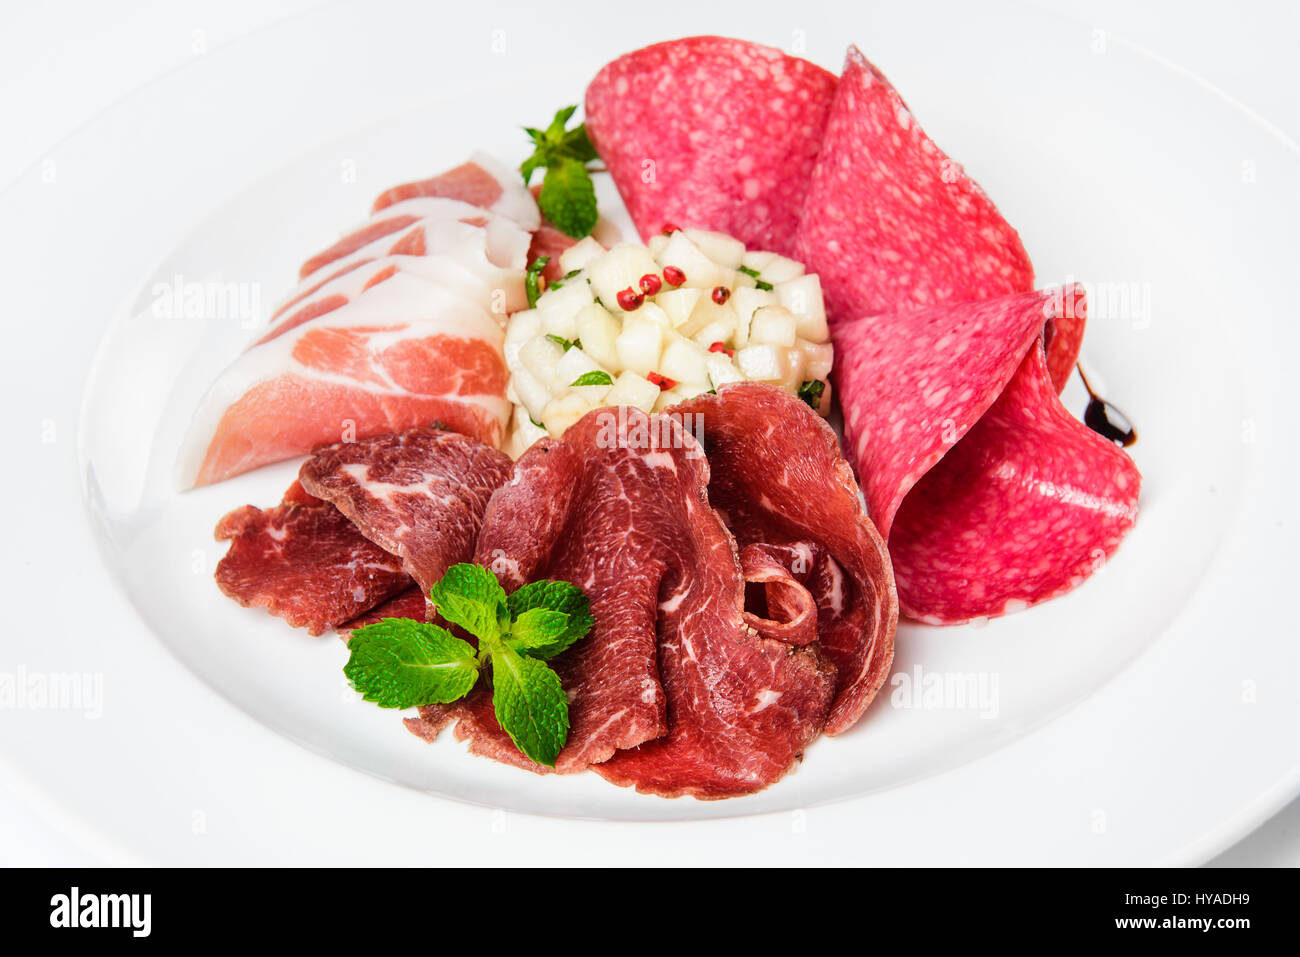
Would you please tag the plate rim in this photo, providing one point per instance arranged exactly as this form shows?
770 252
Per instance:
1248 815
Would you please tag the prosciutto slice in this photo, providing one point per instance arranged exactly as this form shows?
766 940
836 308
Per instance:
490 254
991 495
483 181
404 354
394 327
688 128
788 496
677 690
303 561
419 495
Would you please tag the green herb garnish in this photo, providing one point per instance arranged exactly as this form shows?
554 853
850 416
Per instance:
533 280
594 377
568 196
563 343
811 392
561 281
402 663
755 275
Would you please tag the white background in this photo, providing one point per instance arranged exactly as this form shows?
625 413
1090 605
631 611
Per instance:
63 63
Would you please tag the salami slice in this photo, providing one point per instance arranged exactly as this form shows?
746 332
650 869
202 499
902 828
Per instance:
992 497
889 222
712 133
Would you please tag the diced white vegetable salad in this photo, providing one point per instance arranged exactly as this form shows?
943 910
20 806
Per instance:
650 326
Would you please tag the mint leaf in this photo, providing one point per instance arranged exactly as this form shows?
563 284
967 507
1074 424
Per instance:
532 285
559 596
555 132
754 273
530 705
531 165
537 628
563 343
401 663
568 197
811 392
577 145
594 377
555 144
470 596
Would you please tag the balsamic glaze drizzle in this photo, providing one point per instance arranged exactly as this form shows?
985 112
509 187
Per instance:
1104 419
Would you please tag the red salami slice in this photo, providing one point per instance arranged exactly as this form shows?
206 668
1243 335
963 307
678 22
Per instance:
780 482
991 495
889 222
419 494
304 562
712 133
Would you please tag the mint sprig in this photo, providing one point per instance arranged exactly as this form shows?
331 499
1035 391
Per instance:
568 197
403 663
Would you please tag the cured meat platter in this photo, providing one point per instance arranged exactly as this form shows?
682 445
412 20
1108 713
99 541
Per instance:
798 432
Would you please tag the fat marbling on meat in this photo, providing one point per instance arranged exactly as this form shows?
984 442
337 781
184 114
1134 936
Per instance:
418 494
681 688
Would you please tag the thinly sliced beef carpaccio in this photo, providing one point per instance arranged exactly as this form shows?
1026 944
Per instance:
889 222
363 519
303 561
991 495
419 495
781 485
676 690
711 132
406 604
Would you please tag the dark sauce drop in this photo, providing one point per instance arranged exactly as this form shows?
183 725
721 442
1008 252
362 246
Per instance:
1104 419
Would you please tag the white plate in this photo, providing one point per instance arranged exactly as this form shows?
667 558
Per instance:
1147 717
